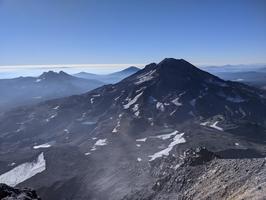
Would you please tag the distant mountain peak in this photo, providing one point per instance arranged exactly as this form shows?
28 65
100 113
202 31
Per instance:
175 72
176 64
52 74
130 69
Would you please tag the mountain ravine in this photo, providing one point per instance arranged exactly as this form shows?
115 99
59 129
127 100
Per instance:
169 131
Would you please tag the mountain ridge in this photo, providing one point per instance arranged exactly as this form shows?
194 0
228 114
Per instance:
117 132
109 78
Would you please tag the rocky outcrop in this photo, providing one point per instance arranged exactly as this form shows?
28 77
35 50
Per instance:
201 174
198 156
10 193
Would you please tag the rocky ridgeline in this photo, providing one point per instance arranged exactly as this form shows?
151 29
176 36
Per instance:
201 174
10 193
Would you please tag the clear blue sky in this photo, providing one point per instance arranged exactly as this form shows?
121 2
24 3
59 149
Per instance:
132 31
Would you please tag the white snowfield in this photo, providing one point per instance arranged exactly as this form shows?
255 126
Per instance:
136 107
178 139
24 171
115 130
160 106
134 100
141 140
165 136
136 110
51 117
46 145
56 107
212 125
101 142
145 77
142 88
176 101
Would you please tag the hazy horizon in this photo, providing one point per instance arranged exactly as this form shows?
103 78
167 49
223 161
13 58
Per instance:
13 71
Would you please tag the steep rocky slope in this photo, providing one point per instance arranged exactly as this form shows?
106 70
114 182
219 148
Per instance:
201 174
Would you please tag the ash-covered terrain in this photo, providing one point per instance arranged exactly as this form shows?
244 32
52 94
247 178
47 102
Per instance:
169 131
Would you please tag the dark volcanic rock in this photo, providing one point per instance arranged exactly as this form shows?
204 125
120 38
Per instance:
10 193
198 156
240 179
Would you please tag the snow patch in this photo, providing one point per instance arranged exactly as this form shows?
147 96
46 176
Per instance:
176 102
173 112
204 123
51 117
212 125
137 113
141 140
46 145
136 110
12 164
178 139
118 97
24 171
101 142
56 107
142 88
160 106
115 130
165 136
134 100
145 77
